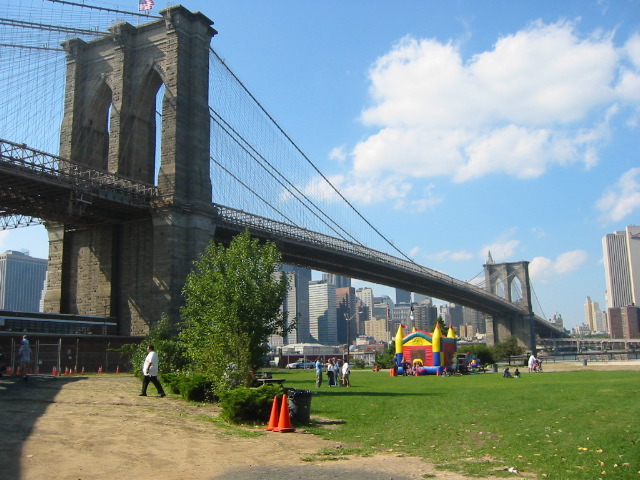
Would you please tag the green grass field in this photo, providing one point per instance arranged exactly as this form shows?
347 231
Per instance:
562 425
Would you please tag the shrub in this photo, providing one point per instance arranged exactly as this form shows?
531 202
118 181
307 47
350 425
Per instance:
359 364
508 348
193 387
249 405
484 353
170 351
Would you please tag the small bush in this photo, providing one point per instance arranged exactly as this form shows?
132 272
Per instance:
359 364
484 353
249 405
194 387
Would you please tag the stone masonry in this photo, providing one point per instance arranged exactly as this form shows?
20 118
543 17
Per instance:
135 270
500 329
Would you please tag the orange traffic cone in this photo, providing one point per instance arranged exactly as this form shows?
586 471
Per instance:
37 370
100 369
54 372
82 370
117 368
273 419
284 422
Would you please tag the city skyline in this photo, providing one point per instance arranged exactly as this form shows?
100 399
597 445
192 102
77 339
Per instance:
455 128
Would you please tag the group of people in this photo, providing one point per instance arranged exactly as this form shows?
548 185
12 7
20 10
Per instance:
535 364
338 372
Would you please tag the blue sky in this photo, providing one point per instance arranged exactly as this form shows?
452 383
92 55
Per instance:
455 127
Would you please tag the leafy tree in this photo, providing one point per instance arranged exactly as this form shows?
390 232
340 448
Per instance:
233 299
508 348
484 353
385 359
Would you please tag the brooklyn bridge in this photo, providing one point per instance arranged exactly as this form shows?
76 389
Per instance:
155 149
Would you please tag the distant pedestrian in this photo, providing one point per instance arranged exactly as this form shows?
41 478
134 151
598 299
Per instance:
331 373
532 363
516 373
24 357
338 371
150 372
346 372
318 373
506 373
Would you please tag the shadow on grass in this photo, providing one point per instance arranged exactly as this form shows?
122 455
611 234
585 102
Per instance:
354 392
23 402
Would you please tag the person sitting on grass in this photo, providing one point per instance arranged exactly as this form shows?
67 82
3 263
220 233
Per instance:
506 373
516 373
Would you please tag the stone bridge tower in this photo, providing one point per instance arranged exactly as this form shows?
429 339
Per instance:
134 269
510 281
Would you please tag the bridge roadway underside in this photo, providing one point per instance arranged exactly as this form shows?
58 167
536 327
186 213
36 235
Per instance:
316 257
45 196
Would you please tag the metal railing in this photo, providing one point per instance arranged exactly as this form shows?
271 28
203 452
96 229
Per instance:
19 159
238 219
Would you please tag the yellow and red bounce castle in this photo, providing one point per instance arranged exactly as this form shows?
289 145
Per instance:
428 353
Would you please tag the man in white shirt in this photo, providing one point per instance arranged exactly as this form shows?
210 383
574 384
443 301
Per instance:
346 371
150 372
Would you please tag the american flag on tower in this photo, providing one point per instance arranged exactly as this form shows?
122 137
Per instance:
145 5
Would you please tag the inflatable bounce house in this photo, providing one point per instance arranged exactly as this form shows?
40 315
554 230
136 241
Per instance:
427 353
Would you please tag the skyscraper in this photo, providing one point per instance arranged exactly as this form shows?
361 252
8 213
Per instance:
337 281
296 302
347 314
366 296
622 267
593 316
21 281
322 312
402 296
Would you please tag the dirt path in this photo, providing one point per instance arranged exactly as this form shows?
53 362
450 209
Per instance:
97 427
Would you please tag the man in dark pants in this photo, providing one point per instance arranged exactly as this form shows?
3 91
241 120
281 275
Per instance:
150 372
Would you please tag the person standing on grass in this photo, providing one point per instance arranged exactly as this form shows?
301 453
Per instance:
331 373
318 372
532 362
150 372
346 371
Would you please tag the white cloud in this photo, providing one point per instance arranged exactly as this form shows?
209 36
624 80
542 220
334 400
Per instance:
338 153
541 97
544 269
392 190
622 199
502 248
447 255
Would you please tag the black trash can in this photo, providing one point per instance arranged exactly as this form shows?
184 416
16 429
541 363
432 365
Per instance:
299 405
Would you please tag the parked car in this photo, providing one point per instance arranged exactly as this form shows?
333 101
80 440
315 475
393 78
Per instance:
295 365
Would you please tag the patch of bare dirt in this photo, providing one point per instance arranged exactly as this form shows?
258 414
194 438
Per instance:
97 427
